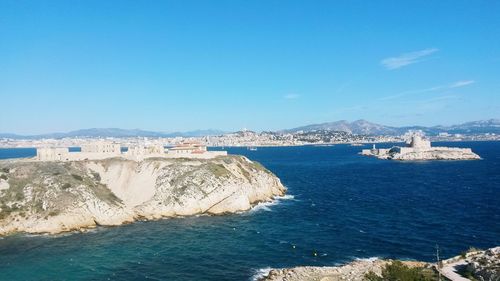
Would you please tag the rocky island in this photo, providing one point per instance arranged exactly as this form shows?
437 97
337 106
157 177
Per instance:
420 149
57 196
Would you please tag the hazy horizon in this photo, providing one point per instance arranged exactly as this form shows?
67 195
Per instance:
263 65
227 131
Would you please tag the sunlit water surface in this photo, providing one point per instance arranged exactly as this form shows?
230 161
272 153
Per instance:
342 206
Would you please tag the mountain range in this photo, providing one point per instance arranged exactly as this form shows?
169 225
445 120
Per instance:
360 127
368 128
115 133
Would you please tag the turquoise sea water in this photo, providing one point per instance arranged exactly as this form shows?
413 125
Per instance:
342 206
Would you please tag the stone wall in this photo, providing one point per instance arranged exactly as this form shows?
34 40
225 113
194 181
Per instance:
52 154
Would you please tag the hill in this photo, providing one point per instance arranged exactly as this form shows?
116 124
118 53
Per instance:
364 127
115 133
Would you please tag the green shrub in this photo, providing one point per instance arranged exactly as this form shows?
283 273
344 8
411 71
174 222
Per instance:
218 170
470 250
19 196
6 170
397 271
77 177
53 213
4 177
473 249
66 186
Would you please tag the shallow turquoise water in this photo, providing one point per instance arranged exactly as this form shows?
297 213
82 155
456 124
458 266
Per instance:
344 206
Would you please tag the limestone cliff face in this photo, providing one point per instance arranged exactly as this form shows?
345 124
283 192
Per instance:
52 197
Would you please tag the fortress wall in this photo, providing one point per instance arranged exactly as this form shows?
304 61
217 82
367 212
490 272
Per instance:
366 152
205 155
458 149
76 156
52 154
406 150
63 154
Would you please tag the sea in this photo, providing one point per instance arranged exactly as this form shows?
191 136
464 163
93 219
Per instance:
340 206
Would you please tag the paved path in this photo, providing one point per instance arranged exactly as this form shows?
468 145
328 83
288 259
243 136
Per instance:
450 271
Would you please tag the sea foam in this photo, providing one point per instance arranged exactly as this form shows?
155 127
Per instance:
265 206
261 273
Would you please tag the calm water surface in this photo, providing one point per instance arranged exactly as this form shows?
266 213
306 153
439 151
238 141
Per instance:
344 206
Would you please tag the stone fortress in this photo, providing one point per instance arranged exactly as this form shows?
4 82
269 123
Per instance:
102 149
419 148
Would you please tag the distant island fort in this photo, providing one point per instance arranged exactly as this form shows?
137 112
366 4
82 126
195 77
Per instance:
101 149
419 148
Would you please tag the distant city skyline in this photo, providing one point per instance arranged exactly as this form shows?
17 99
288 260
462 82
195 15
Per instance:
263 65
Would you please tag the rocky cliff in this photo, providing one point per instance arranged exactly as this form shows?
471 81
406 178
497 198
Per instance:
52 197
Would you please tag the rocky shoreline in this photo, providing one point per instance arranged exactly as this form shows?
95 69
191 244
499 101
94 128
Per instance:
53 197
353 271
471 265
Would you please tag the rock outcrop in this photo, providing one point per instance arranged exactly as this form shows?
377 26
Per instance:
354 271
473 265
52 197
436 153
484 265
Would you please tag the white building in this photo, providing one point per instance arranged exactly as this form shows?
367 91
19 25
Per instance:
139 152
188 148
101 147
103 150
52 154
193 150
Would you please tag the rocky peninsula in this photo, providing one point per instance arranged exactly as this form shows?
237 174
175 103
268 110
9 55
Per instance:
56 196
420 149
470 265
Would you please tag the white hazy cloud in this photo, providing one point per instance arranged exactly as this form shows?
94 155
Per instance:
459 84
407 58
291 96
453 85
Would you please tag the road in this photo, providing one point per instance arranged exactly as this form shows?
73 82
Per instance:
450 271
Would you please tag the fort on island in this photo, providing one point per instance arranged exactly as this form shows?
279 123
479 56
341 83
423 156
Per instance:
419 148
100 149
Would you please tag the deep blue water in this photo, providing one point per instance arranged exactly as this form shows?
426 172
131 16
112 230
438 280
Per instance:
345 206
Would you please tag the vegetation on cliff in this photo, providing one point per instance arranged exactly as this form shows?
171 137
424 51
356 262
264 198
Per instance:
397 271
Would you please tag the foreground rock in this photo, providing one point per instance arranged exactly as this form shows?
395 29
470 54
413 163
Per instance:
473 265
52 197
485 265
354 271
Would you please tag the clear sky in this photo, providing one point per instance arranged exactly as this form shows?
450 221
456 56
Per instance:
261 65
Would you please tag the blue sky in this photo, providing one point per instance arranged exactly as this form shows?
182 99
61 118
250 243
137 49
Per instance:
262 65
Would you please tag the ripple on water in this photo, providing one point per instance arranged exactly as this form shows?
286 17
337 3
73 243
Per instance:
340 205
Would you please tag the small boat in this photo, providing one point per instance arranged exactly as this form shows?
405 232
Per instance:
251 148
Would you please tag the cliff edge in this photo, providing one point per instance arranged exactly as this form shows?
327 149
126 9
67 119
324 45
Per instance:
53 197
